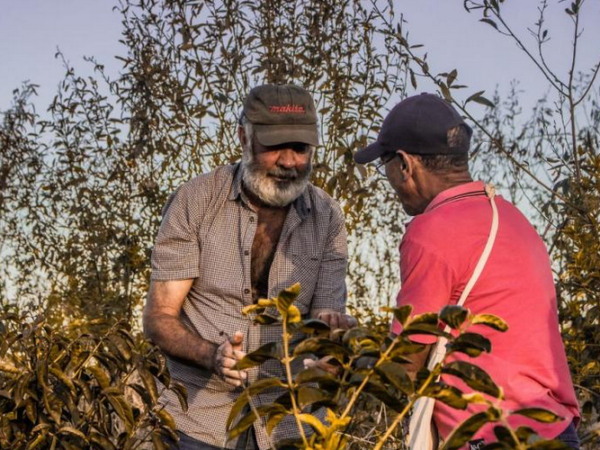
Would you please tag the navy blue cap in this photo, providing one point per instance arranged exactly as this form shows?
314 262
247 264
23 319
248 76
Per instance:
418 125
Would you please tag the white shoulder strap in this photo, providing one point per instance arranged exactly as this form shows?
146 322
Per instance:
419 435
439 350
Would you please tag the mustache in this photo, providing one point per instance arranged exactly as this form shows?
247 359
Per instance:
280 172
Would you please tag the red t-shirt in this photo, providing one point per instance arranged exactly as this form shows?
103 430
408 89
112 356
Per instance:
437 257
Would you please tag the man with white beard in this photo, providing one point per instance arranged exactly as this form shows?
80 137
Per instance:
234 235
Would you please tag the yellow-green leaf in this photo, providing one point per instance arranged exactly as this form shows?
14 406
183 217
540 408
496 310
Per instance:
314 423
539 414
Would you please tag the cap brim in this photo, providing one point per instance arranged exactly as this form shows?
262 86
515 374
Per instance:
369 153
280 134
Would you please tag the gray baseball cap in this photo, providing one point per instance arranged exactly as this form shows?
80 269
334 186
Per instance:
282 113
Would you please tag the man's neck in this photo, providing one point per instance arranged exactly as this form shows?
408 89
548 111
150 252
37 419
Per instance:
438 184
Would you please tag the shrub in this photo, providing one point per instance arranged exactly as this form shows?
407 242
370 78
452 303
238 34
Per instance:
70 389
371 367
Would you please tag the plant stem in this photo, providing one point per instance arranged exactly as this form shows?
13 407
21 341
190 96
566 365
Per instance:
364 382
290 382
432 375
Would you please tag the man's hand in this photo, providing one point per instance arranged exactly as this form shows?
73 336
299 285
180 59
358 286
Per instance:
226 356
337 320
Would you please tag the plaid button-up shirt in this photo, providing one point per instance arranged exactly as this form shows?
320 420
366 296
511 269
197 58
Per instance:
206 234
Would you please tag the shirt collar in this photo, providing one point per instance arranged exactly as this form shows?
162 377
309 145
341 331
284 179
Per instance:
302 204
456 191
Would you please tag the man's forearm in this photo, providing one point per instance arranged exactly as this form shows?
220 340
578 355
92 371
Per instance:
177 341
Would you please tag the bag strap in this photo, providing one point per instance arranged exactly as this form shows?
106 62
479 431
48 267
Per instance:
439 350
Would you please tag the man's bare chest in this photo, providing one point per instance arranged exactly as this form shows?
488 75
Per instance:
268 232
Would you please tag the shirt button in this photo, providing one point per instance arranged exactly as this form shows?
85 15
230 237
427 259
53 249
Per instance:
246 291
246 252
252 219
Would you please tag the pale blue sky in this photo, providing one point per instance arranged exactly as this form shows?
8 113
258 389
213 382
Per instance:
31 31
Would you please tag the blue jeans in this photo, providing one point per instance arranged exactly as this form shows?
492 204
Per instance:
570 437
247 441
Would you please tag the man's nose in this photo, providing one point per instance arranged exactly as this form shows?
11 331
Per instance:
287 158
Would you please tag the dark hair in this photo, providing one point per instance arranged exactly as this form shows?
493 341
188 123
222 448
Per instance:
457 136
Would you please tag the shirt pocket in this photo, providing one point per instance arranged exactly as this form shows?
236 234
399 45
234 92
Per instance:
305 271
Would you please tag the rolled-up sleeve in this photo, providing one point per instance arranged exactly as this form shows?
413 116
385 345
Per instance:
330 292
176 253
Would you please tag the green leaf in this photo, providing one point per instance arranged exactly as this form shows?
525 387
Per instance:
451 77
427 318
309 395
550 445
265 383
313 326
527 435
123 409
244 423
158 442
471 344
489 22
397 376
247 421
273 421
454 316
405 347
474 377
445 92
403 313
489 320
314 423
503 435
379 391
265 319
321 347
37 441
238 406
54 370
166 418
424 328
314 375
479 98
539 414
121 345
99 375
449 395
72 431
148 381
465 431
272 350
181 393
293 315
413 80
287 297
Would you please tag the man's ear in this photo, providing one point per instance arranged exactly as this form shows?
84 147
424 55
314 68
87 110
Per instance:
407 164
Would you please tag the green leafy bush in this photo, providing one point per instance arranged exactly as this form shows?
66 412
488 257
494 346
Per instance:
371 367
73 390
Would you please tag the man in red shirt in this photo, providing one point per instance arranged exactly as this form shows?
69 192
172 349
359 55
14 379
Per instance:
423 151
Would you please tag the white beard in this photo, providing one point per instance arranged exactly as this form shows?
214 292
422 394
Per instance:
270 191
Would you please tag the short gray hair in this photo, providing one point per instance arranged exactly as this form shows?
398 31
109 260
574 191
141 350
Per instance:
248 128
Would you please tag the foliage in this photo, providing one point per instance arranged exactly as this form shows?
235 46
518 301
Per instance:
373 366
79 388
83 186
